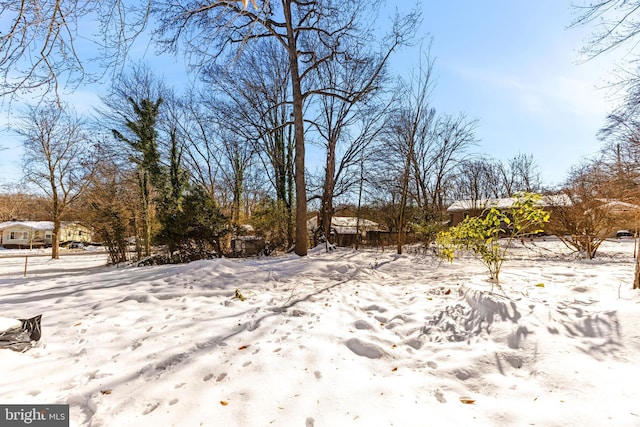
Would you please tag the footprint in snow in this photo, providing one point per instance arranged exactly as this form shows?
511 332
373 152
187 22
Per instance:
150 408
362 348
361 324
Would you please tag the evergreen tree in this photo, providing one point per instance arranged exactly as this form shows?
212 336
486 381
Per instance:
147 158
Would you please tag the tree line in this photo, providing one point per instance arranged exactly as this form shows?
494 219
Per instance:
272 81
186 170
276 83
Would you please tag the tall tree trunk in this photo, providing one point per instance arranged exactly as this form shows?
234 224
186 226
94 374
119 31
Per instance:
236 218
327 191
636 273
55 241
358 209
146 212
403 198
301 244
290 189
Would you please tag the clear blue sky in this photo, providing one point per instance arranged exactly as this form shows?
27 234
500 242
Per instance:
512 65
517 69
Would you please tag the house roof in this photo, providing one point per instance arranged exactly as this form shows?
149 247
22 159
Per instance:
36 225
345 224
507 202
617 205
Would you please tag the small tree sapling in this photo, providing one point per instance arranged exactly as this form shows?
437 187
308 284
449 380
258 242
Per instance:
490 235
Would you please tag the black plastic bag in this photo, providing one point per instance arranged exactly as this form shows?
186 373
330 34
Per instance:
23 337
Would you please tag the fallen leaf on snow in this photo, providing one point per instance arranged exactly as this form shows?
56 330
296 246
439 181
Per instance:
224 402
467 400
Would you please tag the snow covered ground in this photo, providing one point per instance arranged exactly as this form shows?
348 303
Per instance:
347 338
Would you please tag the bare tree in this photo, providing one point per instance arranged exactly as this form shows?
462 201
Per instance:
43 36
193 119
408 124
588 220
518 174
436 157
250 102
59 158
235 159
347 126
42 41
17 204
620 161
480 178
618 23
419 152
476 179
312 33
110 203
618 26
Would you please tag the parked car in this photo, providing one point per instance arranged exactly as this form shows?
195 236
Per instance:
623 233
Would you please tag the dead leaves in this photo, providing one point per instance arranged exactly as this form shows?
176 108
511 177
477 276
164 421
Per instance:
238 295
438 291
224 402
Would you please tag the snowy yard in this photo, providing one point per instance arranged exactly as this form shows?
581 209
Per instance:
347 338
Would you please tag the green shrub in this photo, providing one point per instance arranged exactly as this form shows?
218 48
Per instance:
490 235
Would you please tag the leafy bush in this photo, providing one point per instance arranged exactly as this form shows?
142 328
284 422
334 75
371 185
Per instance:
482 235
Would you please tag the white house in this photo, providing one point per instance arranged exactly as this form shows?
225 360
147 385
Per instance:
29 234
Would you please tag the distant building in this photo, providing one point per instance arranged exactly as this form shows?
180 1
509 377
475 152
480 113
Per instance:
461 209
37 234
345 230
244 246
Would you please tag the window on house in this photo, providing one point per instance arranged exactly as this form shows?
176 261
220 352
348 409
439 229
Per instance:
19 235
